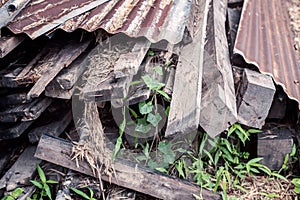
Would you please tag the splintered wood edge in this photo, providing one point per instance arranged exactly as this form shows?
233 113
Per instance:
128 174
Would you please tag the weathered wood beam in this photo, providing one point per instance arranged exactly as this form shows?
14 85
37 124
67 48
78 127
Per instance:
25 112
255 98
273 144
67 77
185 104
9 43
14 98
13 130
127 174
22 171
128 64
54 127
218 102
65 57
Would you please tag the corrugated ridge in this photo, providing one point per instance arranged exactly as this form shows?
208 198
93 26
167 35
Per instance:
154 19
264 40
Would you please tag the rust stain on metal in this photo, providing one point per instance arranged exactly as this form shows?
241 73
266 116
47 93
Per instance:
265 40
154 19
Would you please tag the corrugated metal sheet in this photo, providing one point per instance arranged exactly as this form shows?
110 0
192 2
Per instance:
264 40
41 16
154 19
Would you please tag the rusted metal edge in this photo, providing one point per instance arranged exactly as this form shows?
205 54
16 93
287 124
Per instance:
264 41
154 19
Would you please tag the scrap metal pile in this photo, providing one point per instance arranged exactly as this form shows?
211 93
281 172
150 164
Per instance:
220 62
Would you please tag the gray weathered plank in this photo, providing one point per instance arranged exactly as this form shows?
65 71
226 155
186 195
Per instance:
55 127
273 145
65 57
22 171
218 102
185 104
255 98
25 112
13 130
129 63
127 174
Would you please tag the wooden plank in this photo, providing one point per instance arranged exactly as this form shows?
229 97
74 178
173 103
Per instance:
255 98
14 98
54 127
127 174
218 102
65 57
57 92
129 63
25 112
234 15
273 144
9 43
67 77
22 171
13 130
185 104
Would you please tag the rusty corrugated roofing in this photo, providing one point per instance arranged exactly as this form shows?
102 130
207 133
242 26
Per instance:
154 19
264 40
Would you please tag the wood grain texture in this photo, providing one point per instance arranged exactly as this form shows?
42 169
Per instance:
127 174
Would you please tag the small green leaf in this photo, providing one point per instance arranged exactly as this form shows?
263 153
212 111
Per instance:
145 108
142 128
154 119
161 169
80 193
51 182
152 83
135 83
279 176
117 148
151 53
158 69
47 190
167 111
297 190
134 114
37 184
17 192
294 150
254 131
41 174
164 94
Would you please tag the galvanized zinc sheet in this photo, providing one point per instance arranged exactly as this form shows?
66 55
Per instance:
154 19
264 40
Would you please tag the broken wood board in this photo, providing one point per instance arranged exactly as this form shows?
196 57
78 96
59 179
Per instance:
25 112
273 145
67 77
22 171
57 92
13 130
65 57
99 81
129 63
13 98
218 101
54 127
184 113
255 98
128 175
9 43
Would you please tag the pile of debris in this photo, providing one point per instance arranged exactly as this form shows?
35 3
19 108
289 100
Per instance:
220 62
